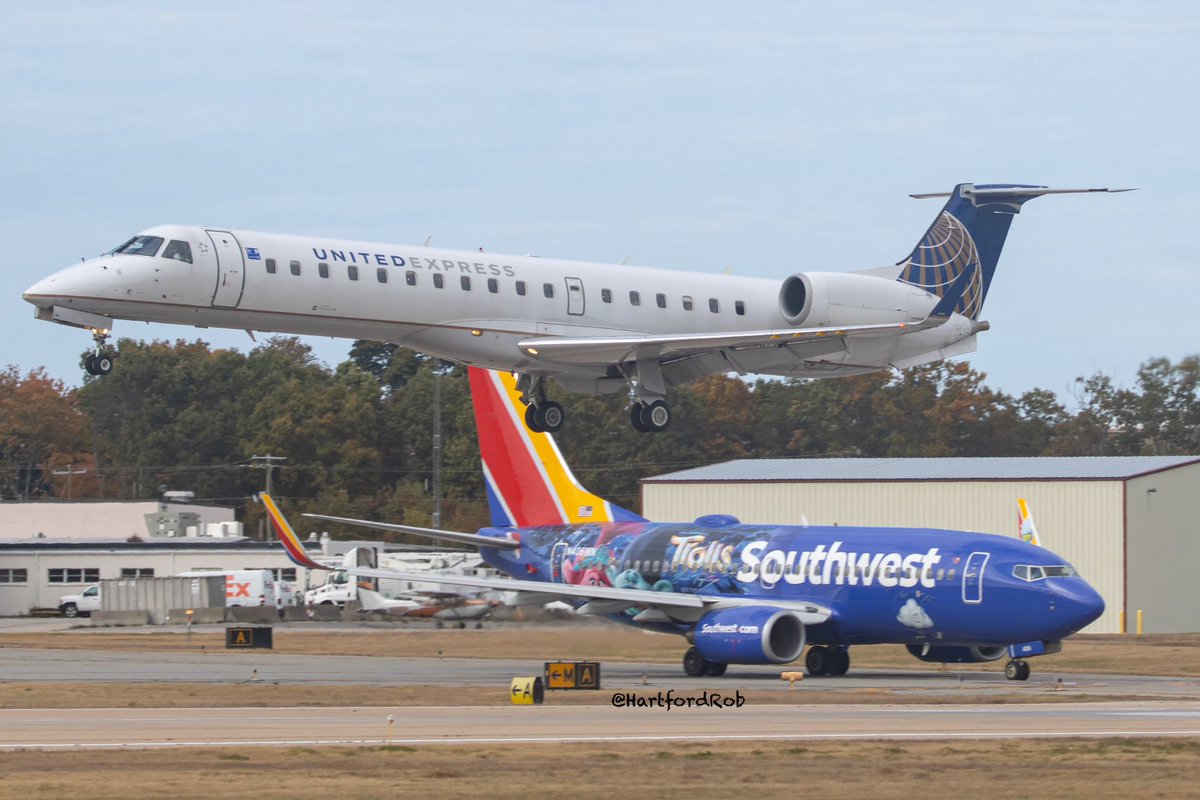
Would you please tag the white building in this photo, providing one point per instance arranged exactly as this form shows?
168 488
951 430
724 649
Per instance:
1130 525
101 519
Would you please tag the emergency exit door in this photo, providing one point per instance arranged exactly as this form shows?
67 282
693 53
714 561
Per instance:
574 296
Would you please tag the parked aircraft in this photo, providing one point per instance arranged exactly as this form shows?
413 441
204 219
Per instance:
591 327
441 607
747 593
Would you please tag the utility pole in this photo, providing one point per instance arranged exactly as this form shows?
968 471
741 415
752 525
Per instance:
69 471
437 449
268 463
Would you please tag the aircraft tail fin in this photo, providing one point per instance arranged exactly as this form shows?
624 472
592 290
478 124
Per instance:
287 537
970 231
527 479
1025 526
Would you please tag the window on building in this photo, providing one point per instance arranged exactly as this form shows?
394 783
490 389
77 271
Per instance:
73 575
635 299
548 289
11 575
439 280
714 305
284 573
739 307
410 278
606 295
137 572
660 300
352 272
295 265
381 275
493 285
465 282
687 303
323 269
271 266
521 288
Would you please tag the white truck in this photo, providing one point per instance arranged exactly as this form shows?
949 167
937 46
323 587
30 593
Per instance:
82 604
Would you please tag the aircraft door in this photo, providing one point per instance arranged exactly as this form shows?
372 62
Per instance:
972 589
575 302
556 562
231 269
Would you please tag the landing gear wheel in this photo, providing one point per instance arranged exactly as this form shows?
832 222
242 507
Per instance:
635 418
656 417
531 419
695 664
102 364
550 416
716 669
89 365
841 662
1017 670
818 660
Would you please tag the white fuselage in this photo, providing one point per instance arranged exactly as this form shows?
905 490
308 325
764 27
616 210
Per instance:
474 307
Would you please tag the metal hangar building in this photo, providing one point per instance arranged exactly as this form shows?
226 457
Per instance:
1130 525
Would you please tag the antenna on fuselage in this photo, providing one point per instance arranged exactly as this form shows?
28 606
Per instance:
625 260
428 239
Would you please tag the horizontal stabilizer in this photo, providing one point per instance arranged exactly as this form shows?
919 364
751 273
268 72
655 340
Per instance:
472 539
1030 191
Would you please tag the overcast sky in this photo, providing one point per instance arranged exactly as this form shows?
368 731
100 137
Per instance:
768 137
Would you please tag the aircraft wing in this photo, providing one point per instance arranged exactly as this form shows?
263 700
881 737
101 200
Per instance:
604 350
458 537
608 599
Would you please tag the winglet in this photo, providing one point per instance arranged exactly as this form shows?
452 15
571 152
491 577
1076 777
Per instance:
287 537
1025 526
954 294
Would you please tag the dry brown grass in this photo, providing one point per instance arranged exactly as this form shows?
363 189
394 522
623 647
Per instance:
1153 654
1096 769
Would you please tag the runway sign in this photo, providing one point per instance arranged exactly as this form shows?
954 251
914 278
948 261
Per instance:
572 674
258 637
527 691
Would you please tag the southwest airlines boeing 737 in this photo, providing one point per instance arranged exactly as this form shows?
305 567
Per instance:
590 327
740 593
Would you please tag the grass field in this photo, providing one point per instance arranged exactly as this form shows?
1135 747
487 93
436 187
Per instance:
1095 769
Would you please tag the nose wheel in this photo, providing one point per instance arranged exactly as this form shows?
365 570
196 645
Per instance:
1017 670
101 361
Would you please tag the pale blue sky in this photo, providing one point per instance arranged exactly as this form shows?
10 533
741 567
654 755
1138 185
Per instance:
769 137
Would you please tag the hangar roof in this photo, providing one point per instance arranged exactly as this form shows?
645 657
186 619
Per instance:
928 469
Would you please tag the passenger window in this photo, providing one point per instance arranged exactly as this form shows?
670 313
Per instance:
714 305
941 574
635 299
606 295
381 275
271 266
661 300
179 251
352 272
410 278
739 308
950 575
465 282
323 269
548 289
295 267
493 285
687 303
439 280
521 288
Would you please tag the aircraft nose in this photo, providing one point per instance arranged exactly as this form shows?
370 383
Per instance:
1079 604
37 293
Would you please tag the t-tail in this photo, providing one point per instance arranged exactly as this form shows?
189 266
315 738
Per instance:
1025 527
528 481
969 232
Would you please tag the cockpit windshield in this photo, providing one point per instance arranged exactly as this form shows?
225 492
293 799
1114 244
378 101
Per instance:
179 251
1031 573
140 246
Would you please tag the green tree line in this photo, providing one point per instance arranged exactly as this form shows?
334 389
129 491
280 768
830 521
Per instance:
358 438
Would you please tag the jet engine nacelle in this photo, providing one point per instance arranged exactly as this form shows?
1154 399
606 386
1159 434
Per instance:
815 299
749 635
958 654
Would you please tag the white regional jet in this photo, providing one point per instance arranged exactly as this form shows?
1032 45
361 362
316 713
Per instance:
591 327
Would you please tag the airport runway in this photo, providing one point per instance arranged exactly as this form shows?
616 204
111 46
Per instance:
109 728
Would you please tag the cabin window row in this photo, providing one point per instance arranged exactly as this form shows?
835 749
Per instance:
493 286
774 568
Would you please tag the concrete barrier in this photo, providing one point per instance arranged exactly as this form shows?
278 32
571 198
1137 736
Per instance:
329 613
141 617
295 614
253 614
200 616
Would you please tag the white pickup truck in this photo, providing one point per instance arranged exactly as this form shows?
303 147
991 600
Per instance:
80 605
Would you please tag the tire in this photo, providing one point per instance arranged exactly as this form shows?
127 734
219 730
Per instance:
656 417
103 365
1024 671
70 610
531 419
694 664
841 662
716 669
89 365
1017 671
818 661
635 418
550 416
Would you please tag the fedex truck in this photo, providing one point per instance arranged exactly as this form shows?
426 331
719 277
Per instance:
250 587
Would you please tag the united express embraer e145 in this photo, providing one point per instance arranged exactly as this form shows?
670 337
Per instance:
590 327
741 593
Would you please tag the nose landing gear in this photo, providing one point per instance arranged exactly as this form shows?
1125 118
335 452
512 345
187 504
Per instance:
1017 670
100 362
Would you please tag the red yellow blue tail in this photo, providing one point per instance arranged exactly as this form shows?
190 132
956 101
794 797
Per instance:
1025 526
528 481
287 536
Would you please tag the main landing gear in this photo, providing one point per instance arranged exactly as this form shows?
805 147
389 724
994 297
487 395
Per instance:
1017 670
652 417
832 661
698 666
101 361
541 415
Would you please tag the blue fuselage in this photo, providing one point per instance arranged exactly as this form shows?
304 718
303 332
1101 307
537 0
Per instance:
901 585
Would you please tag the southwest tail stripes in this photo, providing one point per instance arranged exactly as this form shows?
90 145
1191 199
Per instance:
287 537
528 481
1025 526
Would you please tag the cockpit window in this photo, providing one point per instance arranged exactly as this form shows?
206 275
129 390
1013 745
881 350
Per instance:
140 246
1030 573
180 251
